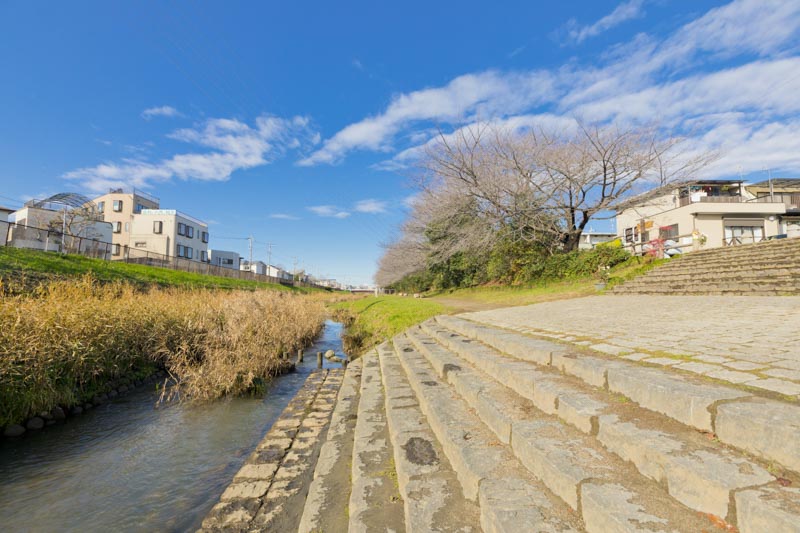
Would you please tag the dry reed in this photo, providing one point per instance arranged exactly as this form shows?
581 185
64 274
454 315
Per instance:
70 339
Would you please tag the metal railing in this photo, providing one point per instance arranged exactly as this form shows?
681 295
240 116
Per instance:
51 240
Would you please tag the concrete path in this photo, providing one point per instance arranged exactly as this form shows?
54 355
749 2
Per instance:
747 340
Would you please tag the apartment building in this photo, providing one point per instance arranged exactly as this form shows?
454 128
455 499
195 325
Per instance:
225 259
119 207
31 224
166 232
4 214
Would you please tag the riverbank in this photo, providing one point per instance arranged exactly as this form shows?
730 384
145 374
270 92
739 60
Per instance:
70 341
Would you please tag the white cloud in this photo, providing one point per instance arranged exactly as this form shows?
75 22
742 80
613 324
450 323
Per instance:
625 11
225 146
283 216
162 111
370 206
328 211
727 79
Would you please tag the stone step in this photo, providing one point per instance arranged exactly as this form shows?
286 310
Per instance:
729 287
679 267
269 491
510 498
430 489
773 273
608 494
760 248
326 505
704 291
767 428
697 473
375 503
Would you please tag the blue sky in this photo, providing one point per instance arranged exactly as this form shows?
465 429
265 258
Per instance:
299 122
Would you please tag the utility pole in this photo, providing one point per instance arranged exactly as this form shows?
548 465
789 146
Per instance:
250 242
269 255
294 268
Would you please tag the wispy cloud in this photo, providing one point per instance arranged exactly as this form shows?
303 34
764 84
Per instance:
625 11
517 51
162 111
283 216
370 206
329 211
223 146
728 79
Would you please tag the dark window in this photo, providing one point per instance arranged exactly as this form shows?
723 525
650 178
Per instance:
101 206
629 235
205 236
117 227
158 226
180 250
203 256
190 231
115 249
188 253
117 205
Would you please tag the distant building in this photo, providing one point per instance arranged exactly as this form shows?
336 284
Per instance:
64 230
224 259
590 239
167 232
118 207
256 267
277 272
4 214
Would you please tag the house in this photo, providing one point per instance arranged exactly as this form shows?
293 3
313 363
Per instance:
700 214
590 239
224 259
166 232
256 267
4 214
52 226
786 190
277 272
118 207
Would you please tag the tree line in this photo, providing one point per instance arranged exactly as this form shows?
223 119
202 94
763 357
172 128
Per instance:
501 203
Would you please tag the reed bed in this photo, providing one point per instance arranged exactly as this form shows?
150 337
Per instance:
68 340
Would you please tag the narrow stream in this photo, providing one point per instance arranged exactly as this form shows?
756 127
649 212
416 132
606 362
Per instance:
129 466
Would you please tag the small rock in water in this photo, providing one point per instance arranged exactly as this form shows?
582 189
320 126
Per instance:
14 430
112 393
330 354
59 414
44 415
76 410
35 423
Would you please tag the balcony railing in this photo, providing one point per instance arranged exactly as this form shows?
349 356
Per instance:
790 199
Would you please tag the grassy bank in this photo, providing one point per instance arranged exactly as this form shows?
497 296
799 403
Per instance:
373 320
26 268
66 341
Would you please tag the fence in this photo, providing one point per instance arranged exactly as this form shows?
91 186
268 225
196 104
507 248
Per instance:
52 240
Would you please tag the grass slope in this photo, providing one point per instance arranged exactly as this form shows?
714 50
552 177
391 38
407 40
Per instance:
28 267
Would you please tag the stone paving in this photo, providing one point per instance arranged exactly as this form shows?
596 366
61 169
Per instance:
748 340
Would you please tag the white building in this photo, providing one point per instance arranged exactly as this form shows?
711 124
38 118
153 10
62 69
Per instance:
590 239
224 259
166 232
277 272
256 267
4 214
41 228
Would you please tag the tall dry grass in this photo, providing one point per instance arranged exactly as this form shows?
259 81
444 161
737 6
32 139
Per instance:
68 340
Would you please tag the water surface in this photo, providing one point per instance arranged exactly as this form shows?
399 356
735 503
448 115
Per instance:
129 465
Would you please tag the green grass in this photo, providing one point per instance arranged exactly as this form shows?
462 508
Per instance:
29 267
373 320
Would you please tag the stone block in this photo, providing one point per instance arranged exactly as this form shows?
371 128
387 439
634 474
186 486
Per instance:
768 509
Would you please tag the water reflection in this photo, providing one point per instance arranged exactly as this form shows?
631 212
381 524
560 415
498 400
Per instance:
129 466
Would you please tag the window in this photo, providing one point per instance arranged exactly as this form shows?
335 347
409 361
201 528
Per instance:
127 227
205 236
115 249
117 205
140 244
101 207
158 226
227 261
188 252
139 208
668 232
117 227
203 256
629 235
190 232
181 228
181 250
